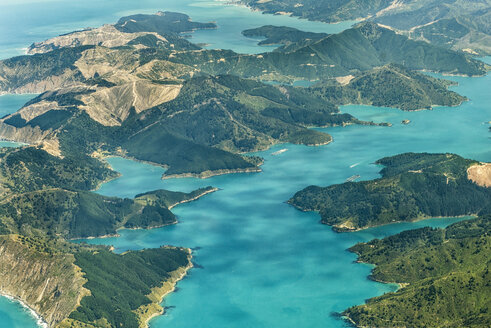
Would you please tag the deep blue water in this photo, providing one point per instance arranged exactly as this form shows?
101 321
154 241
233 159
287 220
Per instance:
260 262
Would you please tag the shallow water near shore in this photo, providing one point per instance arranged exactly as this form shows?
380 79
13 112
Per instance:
259 262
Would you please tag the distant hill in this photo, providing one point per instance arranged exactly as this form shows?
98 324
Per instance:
459 25
196 107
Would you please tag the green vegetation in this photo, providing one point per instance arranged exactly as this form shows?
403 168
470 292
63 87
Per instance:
360 48
45 200
391 86
323 10
447 272
169 198
457 24
78 214
77 285
289 38
163 23
46 195
412 186
120 284
30 169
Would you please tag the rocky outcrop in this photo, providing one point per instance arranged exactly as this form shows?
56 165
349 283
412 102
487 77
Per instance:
27 134
480 174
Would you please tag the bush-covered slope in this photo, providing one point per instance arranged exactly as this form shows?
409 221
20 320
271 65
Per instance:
29 169
120 285
391 86
412 186
72 285
447 272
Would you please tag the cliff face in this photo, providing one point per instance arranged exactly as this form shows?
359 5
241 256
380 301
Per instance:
49 283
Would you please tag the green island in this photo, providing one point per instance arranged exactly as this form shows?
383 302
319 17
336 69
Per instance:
287 38
459 25
445 270
413 186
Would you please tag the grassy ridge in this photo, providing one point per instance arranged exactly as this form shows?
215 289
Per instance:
447 271
412 186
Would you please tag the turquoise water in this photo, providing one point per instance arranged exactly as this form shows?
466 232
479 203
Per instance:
259 262
14 315
23 22
11 103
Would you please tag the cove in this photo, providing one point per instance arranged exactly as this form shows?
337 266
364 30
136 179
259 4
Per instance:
260 262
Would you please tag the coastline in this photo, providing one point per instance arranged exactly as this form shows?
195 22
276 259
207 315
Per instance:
39 319
158 294
341 230
194 198
209 174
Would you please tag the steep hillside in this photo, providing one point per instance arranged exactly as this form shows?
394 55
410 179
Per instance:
412 186
73 285
41 276
445 273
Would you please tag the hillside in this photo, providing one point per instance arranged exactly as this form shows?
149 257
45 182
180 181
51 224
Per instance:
287 38
445 273
360 48
391 86
460 25
129 101
72 285
198 132
163 28
413 186
45 195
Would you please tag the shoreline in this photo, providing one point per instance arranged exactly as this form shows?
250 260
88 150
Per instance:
171 283
209 174
194 198
338 229
341 230
40 322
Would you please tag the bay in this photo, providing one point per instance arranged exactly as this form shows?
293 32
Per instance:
259 262
262 263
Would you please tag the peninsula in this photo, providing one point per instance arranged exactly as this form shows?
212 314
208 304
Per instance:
413 186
